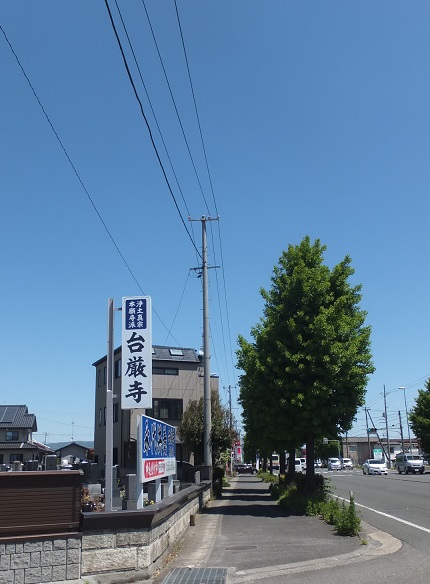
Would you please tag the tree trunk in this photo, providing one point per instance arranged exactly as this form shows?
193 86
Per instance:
282 461
291 464
310 469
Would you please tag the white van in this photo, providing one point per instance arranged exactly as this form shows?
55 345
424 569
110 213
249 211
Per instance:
298 465
409 463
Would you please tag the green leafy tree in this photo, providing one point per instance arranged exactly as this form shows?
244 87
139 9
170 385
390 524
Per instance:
191 428
419 417
313 347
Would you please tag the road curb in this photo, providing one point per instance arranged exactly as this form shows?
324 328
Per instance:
379 543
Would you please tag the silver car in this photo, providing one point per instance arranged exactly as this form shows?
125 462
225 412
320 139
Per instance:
347 463
374 466
334 464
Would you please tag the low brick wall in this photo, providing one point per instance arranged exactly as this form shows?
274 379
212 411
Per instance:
112 547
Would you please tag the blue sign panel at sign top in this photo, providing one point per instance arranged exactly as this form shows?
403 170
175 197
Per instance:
158 439
135 314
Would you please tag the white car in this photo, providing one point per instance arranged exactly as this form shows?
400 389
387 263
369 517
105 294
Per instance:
303 460
347 463
334 464
374 466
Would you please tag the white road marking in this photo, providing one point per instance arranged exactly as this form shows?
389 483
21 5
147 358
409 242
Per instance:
388 515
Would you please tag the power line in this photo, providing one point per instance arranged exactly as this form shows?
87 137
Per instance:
130 77
214 200
176 109
81 181
153 113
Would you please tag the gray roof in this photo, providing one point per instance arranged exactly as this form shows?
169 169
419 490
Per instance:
163 353
17 417
21 446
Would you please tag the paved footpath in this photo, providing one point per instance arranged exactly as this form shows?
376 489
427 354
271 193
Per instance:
245 537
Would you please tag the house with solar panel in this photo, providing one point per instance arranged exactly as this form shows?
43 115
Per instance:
177 378
17 447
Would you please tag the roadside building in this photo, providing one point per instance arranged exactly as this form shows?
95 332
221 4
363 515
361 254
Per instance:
16 437
361 448
177 379
73 452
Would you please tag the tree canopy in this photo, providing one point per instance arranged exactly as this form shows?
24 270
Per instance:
419 417
310 359
191 428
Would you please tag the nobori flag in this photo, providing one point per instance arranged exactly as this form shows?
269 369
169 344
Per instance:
136 366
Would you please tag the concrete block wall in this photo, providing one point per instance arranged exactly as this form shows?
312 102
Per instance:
106 557
134 553
35 561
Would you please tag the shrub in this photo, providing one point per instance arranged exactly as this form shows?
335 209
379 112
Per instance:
348 522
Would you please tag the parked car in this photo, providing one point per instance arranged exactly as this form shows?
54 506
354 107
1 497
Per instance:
317 463
334 464
374 466
347 464
245 469
409 463
298 465
303 461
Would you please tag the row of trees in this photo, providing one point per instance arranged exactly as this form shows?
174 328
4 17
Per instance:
419 417
306 370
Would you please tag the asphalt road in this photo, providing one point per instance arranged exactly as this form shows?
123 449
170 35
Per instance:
396 504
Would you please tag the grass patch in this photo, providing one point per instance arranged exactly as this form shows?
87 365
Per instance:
295 500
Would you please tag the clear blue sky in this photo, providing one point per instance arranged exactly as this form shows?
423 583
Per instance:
315 120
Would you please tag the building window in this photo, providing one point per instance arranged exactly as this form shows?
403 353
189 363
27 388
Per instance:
14 457
100 417
104 376
117 368
165 371
115 413
115 456
167 409
1 458
99 378
104 416
12 436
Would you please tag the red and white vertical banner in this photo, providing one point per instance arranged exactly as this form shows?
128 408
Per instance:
136 365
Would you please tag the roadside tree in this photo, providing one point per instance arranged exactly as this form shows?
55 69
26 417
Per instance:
313 347
191 428
419 417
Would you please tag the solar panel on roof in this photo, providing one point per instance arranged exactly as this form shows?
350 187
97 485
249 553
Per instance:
176 352
9 414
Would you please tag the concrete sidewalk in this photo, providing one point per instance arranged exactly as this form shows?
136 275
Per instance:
245 537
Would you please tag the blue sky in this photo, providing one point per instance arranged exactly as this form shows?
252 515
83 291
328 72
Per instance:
315 121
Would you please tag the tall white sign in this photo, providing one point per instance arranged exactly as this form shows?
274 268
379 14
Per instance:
136 366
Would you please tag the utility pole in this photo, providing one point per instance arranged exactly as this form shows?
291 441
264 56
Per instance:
377 434
386 428
229 388
407 420
109 408
207 446
401 431
367 430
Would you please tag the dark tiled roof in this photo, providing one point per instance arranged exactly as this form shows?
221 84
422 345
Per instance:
17 417
162 353
18 446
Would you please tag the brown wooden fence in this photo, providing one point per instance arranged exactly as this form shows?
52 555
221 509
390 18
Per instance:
40 502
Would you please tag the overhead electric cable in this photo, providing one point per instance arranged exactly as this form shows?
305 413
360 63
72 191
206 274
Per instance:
80 179
153 113
130 77
176 109
213 196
